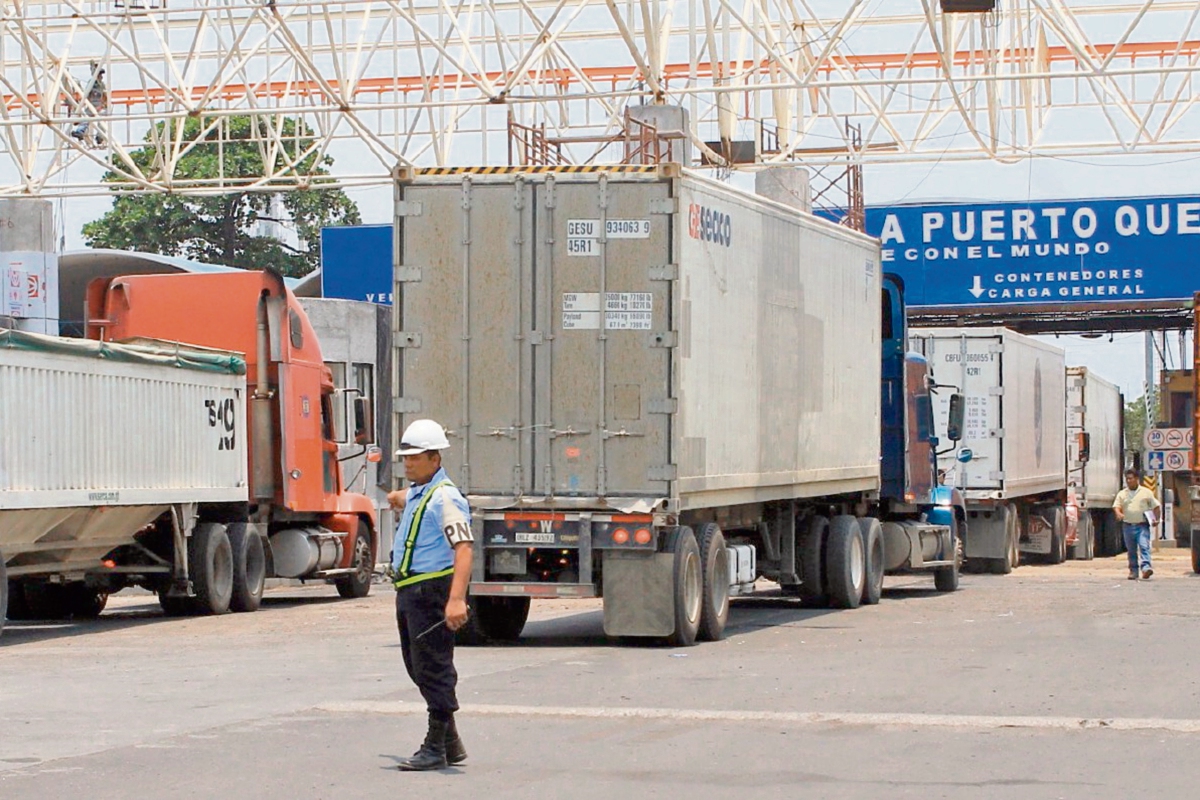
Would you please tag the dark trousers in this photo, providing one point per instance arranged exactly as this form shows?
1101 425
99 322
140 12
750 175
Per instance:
427 643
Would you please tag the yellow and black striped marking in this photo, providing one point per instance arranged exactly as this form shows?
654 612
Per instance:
568 169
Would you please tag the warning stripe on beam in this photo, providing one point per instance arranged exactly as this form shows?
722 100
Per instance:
539 170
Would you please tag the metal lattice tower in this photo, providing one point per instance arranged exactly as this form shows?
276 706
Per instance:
438 82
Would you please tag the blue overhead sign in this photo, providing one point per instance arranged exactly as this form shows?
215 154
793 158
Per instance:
356 263
1085 251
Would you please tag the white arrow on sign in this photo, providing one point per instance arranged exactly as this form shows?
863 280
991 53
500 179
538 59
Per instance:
977 288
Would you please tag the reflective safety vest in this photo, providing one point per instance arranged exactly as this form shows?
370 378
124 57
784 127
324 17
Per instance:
403 578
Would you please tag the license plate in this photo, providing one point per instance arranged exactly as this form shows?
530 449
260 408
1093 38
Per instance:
535 538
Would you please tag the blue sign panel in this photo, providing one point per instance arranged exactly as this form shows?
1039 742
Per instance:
356 263
1088 251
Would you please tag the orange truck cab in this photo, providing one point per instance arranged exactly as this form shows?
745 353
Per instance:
307 524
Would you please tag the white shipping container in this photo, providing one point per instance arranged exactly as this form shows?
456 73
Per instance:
1015 426
621 339
85 424
1096 406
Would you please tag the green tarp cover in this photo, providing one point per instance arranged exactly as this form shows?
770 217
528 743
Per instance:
162 353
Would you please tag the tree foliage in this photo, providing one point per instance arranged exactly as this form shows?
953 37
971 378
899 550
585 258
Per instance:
1135 421
222 228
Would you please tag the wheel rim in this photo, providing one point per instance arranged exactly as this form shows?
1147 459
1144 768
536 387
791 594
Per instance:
222 569
721 582
362 560
692 587
858 567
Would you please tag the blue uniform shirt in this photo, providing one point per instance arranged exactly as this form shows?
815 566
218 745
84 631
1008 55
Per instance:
447 522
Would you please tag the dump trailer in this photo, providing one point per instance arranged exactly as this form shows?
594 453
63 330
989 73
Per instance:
659 390
1011 463
1095 452
159 455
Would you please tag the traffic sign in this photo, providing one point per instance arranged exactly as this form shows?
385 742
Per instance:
1169 439
1169 460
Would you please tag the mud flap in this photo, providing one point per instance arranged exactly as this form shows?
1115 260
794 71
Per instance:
986 537
639 598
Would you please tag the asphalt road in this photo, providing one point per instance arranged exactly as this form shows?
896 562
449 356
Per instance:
1053 682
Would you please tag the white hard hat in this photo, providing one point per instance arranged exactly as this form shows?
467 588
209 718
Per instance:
422 435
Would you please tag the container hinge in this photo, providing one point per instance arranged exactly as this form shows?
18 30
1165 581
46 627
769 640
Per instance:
996 476
996 391
569 431
996 347
409 208
408 274
667 272
509 432
407 339
619 434
666 472
668 406
664 205
665 339
406 405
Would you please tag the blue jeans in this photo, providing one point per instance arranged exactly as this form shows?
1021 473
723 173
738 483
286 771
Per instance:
1137 543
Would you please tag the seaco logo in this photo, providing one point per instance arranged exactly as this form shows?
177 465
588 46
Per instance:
708 225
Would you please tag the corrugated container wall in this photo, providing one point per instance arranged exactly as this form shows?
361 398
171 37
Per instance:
1015 428
635 337
1096 406
83 431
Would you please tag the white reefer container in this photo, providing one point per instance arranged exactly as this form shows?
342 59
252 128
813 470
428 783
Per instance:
1096 408
1015 433
635 341
620 352
97 440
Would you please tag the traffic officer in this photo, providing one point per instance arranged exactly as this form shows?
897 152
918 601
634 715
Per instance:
431 564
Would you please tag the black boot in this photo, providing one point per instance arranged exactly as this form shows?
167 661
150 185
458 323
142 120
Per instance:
432 754
456 752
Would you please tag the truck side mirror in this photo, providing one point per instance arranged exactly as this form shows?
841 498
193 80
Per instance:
1083 441
958 411
364 421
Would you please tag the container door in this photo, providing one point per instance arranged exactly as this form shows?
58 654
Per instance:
602 419
973 364
463 293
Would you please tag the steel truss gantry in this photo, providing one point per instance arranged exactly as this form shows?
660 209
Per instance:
437 82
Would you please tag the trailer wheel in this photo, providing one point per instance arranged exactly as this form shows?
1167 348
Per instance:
811 550
358 585
945 579
45 600
1058 535
688 585
1195 545
872 533
82 601
175 605
714 569
845 562
249 567
18 609
210 562
500 619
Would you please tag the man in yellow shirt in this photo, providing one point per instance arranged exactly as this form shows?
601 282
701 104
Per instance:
1131 506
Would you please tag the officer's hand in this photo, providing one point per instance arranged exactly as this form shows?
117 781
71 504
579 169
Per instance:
397 499
456 614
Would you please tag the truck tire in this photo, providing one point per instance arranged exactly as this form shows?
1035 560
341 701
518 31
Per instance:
1085 538
82 601
845 562
714 571
688 585
210 563
945 579
872 533
249 567
18 609
811 550
500 619
175 605
1111 542
45 601
1005 565
1058 535
358 585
